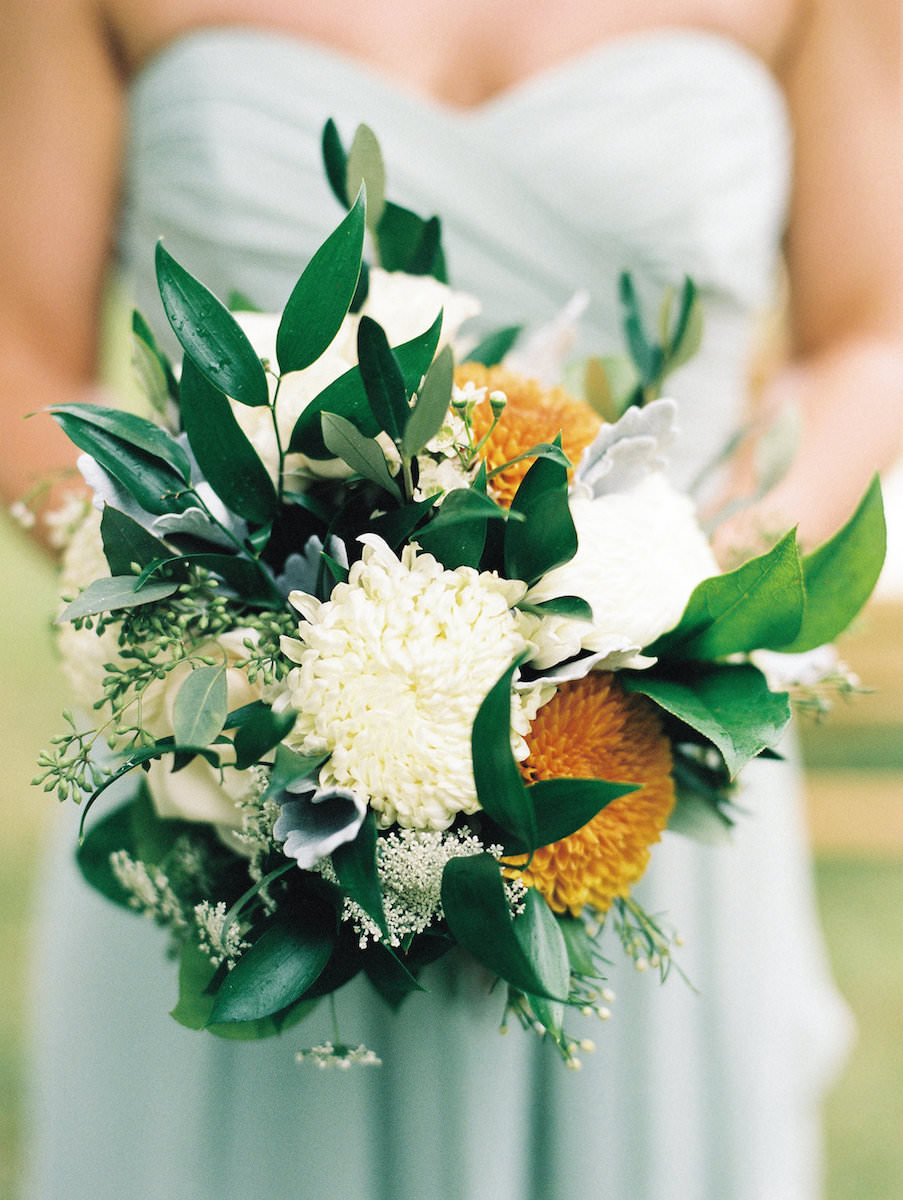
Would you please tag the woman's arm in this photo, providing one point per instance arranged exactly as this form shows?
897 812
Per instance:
61 105
845 261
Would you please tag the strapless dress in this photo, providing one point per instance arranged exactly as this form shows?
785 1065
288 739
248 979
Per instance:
667 153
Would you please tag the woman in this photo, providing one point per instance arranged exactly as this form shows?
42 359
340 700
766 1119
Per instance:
561 143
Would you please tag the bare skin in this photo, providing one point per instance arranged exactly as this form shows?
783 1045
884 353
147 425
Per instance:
65 66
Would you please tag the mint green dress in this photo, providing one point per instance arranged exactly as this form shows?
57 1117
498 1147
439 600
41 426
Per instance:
667 153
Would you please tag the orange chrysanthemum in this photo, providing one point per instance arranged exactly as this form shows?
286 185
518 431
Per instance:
592 729
533 414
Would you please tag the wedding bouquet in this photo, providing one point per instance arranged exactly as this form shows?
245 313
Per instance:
392 654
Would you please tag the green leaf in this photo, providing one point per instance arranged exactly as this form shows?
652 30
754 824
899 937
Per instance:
260 733
562 806
580 947
431 407
839 576
408 243
757 607
129 429
125 543
383 381
547 450
729 704
200 708
543 944
227 459
500 788
560 606
362 454
143 333
646 355
209 334
152 481
291 767
476 909
149 373
346 397
283 963
355 864
396 527
320 299
195 1003
365 168
687 336
249 578
493 348
335 160
117 592
389 975
547 537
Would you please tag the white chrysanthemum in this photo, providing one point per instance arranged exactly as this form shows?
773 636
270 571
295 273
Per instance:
640 555
392 670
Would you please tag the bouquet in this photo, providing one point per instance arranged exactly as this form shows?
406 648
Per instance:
394 651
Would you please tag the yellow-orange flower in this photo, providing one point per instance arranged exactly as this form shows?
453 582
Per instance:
533 414
592 729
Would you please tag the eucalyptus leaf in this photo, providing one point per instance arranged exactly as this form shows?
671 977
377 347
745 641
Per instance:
227 460
759 606
547 537
362 454
209 334
322 296
200 708
730 704
283 963
113 594
477 912
840 575
431 407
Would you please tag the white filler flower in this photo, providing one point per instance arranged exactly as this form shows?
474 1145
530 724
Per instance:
640 554
392 670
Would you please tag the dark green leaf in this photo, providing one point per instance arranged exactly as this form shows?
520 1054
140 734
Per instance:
126 543
560 606
580 947
647 356
544 946
547 450
355 864
225 456
396 527
383 381
562 806
283 963
500 788
493 348
151 481
321 297
389 975
431 408
115 831
335 160
840 575
110 595
364 455
260 733
547 537
476 909
346 396
731 705
129 429
408 243
247 577
199 712
209 334
758 606
144 334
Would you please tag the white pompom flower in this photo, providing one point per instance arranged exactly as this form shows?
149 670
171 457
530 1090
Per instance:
640 554
391 672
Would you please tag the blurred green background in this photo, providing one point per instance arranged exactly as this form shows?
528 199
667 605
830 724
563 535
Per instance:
856 786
